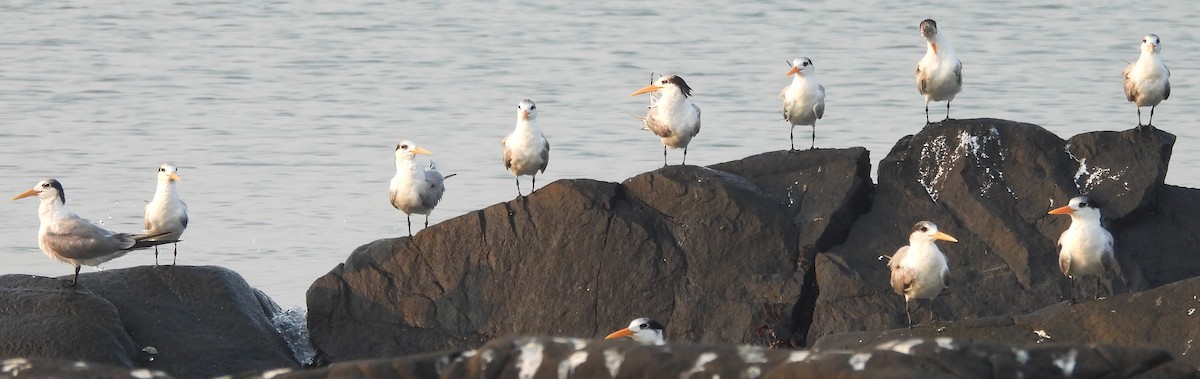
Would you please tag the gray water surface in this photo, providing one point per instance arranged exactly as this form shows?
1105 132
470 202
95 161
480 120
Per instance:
283 115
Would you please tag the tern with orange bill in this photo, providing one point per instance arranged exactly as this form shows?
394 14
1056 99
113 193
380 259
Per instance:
166 214
526 150
1085 249
673 117
939 72
415 189
919 270
804 99
644 330
68 238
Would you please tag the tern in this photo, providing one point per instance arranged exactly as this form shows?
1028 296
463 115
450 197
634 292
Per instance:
1147 81
65 237
644 330
804 99
919 270
166 214
526 150
415 189
1085 249
939 72
673 117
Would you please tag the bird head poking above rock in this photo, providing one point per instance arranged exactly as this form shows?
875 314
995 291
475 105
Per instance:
644 330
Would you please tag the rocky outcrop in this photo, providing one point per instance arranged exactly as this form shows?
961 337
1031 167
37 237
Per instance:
990 183
67 369
1162 318
191 322
529 357
581 258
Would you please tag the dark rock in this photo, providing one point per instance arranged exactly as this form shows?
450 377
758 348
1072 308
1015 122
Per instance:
712 255
989 183
39 317
66 369
1162 239
1161 318
202 321
531 357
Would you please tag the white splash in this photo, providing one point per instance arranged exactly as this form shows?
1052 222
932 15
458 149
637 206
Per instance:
859 361
275 372
529 359
937 158
752 372
900 346
1088 179
752 354
1191 311
613 360
1021 355
798 356
15 365
1067 362
567 367
933 172
698 367
945 343
1042 335
487 356
292 325
142 373
576 343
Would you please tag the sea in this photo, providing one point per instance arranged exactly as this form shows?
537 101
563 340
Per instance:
283 115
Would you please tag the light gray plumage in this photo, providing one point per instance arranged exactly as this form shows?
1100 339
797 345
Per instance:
526 150
166 213
414 189
939 72
1147 81
65 237
672 117
804 99
919 270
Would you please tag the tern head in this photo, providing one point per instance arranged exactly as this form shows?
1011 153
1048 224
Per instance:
1150 43
667 84
45 190
167 173
929 29
802 66
926 231
1079 207
644 330
526 110
408 150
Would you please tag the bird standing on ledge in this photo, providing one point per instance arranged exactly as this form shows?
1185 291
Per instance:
939 72
673 117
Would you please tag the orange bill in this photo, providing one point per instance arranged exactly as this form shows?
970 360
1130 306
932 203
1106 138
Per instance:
620 333
419 150
25 194
649 88
793 71
944 237
1065 210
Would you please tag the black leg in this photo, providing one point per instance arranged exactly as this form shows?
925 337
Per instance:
908 313
75 279
409 225
174 253
947 110
533 184
1150 122
664 155
426 221
927 113
518 178
932 316
792 137
1139 109
814 140
156 255
684 156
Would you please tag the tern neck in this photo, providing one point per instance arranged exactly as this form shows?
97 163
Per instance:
1079 220
165 190
406 165
50 209
526 125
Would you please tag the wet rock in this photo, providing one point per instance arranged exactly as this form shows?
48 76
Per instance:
1161 318
43 318
715 256
990 183
530 357
200 322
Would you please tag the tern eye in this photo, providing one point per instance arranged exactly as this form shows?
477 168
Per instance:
404 147
924 229
1083 205
46 185
643 326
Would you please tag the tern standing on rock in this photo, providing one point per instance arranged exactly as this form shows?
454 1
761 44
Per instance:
673 117
644 330
68 238
526 150
1147 81
804 99
166 214
415 189
919 270
1086 248
939 73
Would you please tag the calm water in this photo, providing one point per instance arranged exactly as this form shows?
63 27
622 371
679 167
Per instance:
283 115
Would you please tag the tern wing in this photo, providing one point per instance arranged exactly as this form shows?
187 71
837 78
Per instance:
545 153
1130 88
819 108
787 104
1064 261
1167 94
696 129
183 219
76 238
659 128
1108 256
902 277
958 71
922 79
431 193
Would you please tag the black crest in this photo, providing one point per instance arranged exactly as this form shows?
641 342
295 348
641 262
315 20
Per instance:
1088 202
62 195
654 325
928 28
683 86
